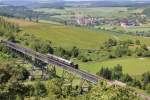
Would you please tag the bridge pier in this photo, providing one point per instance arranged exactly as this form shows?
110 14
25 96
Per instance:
51 71
12 52
67 76
84 85
31 77
82 82
63 74
44 70
43 59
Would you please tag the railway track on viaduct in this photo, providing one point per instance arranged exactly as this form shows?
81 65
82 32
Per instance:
42 57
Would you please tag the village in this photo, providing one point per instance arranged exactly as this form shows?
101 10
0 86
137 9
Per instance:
95 21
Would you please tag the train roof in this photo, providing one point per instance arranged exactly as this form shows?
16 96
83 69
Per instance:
60 58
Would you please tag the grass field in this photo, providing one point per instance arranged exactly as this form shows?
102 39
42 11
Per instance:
133 66
67 36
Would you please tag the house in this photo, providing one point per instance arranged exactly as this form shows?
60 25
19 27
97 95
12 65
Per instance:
128 23
84 21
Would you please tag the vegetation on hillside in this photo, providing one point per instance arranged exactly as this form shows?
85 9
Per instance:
7 27
70 42
12 87
116 73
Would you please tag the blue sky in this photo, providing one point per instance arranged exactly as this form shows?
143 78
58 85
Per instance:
107 0
81 0
104 0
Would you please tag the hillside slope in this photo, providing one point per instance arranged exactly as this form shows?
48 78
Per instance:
69 36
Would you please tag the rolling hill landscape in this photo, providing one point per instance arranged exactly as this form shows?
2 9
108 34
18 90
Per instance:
72 44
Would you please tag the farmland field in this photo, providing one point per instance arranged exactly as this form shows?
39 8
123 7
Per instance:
144 28
97 11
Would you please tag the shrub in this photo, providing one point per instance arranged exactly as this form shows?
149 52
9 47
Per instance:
40 89
148 88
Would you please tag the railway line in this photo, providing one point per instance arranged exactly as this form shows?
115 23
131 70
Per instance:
44 58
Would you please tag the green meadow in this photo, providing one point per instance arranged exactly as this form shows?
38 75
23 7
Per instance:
84 38
133 66
69 36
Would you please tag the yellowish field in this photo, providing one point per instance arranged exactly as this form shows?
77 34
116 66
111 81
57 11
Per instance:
21 22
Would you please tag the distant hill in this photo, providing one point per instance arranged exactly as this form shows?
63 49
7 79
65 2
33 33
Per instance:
110 3
147 11
63 3
34 3
17 2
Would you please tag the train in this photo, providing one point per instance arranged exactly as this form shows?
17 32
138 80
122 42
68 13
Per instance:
60 60
63 61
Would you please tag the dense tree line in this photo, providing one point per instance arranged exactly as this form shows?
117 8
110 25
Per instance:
113 48
116 73
111 74
122 48
25 13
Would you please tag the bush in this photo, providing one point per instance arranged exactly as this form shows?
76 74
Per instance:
139 51
10 84
110 43
61 52
137 42
114 74
111 56
136 83
105 72
11 38
42 46
117 72
127 78
84 58
40 89
146 78
148 88
74 52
